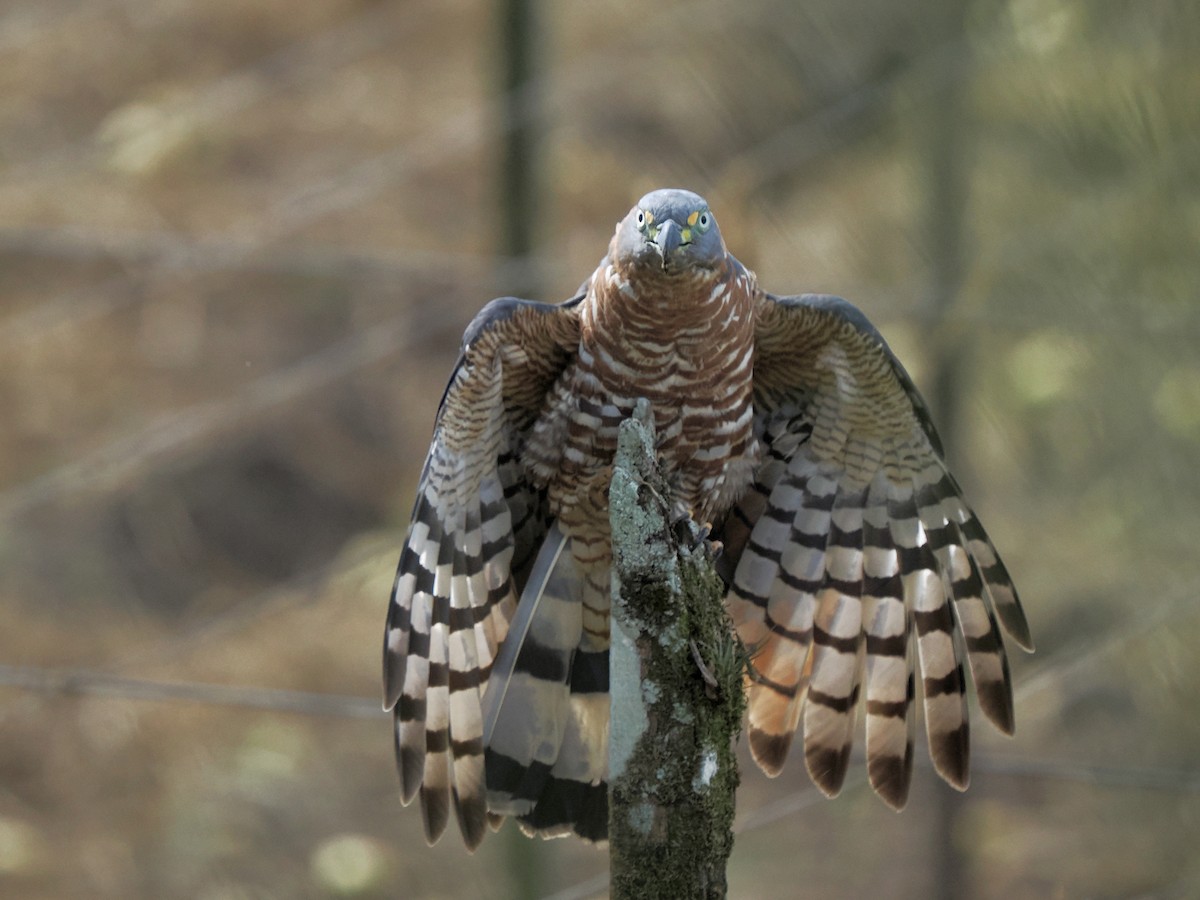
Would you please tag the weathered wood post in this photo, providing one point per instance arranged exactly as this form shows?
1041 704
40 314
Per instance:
676 691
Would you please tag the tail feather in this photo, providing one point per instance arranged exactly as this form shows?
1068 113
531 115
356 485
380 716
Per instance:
520 627
545 724
524 706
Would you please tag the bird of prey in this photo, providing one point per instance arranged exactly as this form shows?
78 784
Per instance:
857 574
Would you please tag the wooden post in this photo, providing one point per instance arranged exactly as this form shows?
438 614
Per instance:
676 691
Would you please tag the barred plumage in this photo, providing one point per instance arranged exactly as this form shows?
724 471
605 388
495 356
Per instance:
853 563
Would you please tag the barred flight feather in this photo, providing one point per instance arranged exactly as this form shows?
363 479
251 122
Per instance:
832 700
885 566
475 526
889 668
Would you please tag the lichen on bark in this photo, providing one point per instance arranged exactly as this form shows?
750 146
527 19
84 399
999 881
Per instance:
673 772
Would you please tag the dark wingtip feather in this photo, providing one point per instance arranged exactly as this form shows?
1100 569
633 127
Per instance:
1000 586
435 812
411 763
827 767
995 699
393 678
770 751
1007 603
891 777
473 819
1012 616
951 754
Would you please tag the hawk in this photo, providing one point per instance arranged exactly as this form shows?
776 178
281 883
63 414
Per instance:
851 559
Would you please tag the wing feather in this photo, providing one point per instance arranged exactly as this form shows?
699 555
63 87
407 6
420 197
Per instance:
890 687
942 681
829 711
476 525
772 602
852 560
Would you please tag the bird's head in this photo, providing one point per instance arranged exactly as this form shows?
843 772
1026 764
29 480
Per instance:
670 231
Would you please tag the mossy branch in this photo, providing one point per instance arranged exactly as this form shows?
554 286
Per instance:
676 691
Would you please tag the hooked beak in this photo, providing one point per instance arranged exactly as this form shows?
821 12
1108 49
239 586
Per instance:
667 240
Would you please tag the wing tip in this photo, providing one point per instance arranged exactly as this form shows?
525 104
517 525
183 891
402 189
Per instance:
891 777
1007 604
393 680
827 767
435 812
1017 627
473 818
411 763
996 702
951 755
769 750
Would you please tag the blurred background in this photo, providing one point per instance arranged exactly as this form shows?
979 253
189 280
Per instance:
239 242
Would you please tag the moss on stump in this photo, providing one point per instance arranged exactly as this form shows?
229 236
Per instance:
677 696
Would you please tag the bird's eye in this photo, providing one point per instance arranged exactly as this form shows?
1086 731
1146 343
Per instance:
703 221
641 219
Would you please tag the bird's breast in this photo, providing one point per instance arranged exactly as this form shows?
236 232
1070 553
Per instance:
694 367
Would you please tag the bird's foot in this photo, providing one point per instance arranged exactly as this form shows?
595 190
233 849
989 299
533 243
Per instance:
693 536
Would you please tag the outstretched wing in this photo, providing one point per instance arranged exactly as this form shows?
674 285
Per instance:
476 527
853 545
